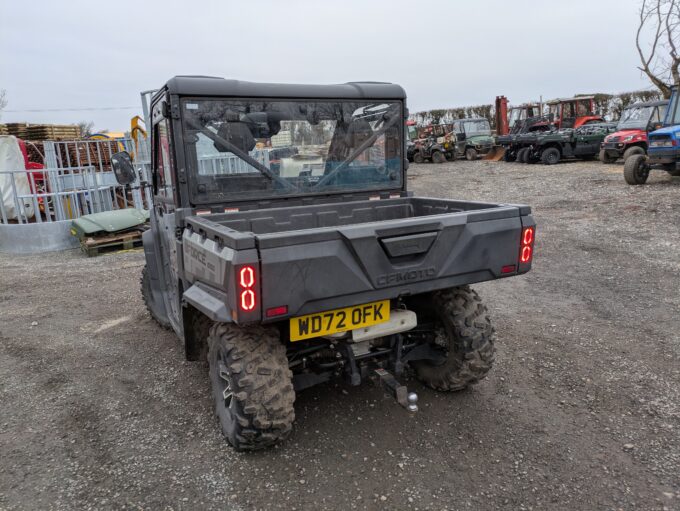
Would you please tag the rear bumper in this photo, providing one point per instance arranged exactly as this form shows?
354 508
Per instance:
663 155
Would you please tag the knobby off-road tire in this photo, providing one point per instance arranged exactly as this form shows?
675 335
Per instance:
635 170
418 157
631 151
520 155
550 156
438 157
509 156
252 385
466 329
605 158
471 154
147 296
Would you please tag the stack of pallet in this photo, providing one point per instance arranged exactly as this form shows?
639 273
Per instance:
53 132
3 130
18 129
35 151
83 152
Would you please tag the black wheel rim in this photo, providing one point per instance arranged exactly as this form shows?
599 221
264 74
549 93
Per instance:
641 172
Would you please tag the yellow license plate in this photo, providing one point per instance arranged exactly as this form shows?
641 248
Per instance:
339 320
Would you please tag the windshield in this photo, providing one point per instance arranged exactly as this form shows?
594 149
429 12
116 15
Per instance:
515 116
244 149
673 113
477 127
635 118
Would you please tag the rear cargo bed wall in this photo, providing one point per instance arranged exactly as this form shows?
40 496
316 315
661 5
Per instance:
332 215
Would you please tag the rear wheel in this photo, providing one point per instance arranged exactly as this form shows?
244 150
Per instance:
464 332
252 385
636 170
606 158
471 154
550 156
631 151
418 157
509 155
438 157
520 155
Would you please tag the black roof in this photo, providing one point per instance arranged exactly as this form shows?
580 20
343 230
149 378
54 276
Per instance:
214 86
649 103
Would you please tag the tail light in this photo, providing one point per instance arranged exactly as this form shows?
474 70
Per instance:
526 251
247 298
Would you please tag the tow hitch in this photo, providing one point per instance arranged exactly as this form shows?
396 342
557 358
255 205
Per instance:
398 391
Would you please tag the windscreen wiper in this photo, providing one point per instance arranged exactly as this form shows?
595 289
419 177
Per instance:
368 143
241 154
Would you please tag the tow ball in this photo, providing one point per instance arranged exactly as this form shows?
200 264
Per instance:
398 391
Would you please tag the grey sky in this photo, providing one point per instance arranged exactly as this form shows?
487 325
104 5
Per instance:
79 54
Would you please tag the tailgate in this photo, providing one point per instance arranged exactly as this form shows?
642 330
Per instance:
320 269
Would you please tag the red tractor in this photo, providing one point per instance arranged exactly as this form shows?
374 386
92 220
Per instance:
573 112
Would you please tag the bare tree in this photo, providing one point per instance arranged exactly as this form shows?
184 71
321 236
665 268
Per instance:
3 100
86 128
660 60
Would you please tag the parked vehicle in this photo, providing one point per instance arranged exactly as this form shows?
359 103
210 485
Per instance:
333 270
436 143
570 113
473 137
522 134
563 115
663 152
631 131
582 143
506 119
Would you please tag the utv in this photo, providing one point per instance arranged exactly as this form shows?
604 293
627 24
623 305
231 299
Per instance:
473 137
434 143
583 143
324 267
664 148
631 131
522 133
429 149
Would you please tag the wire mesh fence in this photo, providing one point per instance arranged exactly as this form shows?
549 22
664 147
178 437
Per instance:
77 179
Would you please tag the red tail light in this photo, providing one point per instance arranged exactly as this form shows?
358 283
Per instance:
526 250
247 291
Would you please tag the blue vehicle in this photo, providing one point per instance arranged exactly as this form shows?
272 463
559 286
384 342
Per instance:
663 152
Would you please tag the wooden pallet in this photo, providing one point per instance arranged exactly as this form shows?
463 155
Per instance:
83 152
97 245
53 132
18 129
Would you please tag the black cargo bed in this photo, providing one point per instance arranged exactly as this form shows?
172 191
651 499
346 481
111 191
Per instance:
234 229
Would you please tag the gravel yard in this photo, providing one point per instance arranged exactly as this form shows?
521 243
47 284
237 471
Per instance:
99 409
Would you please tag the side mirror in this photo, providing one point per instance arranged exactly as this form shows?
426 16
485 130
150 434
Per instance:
123 168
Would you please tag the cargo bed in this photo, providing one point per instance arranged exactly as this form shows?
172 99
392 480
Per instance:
317 257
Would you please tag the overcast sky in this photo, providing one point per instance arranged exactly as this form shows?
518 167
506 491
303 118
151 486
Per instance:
85 54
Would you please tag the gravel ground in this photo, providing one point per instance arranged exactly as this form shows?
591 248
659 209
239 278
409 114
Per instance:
582 411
